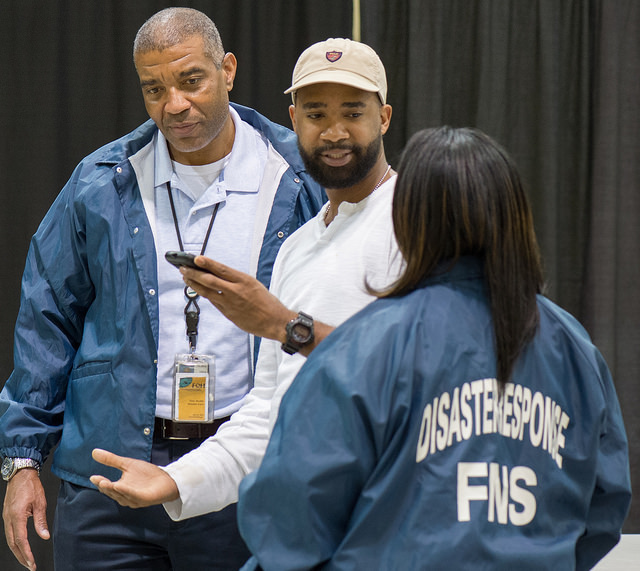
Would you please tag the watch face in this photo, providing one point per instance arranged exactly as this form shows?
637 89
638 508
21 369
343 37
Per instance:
7 467
300 333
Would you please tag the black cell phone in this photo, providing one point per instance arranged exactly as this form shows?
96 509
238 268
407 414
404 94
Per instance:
182 259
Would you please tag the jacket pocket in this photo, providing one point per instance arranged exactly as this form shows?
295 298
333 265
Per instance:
91 420
91 369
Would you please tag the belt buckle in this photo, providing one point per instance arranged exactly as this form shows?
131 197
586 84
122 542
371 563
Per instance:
165 423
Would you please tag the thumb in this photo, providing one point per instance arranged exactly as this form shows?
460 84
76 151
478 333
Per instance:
40 520
108 458
42 529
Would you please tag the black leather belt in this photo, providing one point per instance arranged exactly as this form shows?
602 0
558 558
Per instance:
165 428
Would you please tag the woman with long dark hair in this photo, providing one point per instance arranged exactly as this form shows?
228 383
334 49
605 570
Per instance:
460 421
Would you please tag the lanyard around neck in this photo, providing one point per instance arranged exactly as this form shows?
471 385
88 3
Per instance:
175 222
191 310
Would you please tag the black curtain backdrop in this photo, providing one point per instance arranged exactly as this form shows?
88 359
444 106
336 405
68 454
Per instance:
557 82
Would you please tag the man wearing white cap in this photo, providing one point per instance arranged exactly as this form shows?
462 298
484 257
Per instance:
321 276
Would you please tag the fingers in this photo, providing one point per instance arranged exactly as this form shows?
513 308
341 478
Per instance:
99 481
110 489
22 551
108 458
119 492
15 530
103 484
138 485
24 498
19 547
215 276
217 269
205 284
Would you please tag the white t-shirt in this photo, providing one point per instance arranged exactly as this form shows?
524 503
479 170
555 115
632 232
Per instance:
320 270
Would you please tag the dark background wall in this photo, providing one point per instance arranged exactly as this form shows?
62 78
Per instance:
555 81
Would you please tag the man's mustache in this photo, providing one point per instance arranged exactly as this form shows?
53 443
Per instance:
338 147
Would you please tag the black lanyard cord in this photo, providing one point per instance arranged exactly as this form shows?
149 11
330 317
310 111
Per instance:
192 310
175 222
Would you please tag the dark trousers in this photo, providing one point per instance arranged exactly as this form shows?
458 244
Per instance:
94 533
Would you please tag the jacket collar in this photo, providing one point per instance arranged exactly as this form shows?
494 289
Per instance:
465 268
124 147
284 140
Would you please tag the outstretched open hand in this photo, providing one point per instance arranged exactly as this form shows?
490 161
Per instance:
142 484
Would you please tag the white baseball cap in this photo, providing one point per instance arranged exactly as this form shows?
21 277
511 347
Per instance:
340 60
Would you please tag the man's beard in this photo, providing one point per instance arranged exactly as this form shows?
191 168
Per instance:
364 158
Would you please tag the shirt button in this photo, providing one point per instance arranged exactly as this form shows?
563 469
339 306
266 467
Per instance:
147 431
296 180
119 170
136 230
280 234
152 292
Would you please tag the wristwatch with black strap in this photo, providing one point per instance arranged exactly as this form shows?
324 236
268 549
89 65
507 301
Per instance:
11 465
299 333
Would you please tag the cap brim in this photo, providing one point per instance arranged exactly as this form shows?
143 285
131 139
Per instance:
340 76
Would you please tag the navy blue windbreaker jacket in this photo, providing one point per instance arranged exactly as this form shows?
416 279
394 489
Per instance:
86 336
392 450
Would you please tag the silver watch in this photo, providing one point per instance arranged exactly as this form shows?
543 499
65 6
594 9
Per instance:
11 465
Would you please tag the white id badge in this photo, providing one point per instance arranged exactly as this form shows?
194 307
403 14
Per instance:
193 388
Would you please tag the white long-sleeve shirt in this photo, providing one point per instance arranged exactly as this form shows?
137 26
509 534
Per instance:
321 270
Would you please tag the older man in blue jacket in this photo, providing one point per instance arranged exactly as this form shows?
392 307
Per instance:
102 317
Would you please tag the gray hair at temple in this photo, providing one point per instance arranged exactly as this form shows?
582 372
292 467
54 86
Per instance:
172 26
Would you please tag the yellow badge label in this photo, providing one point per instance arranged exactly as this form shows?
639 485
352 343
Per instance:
192 399
193 388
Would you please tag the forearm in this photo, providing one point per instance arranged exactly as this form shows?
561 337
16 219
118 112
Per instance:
246 302
209 476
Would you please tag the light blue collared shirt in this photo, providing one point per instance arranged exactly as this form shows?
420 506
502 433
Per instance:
236 189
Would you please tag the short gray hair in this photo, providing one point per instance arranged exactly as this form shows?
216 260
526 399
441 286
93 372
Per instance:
175 25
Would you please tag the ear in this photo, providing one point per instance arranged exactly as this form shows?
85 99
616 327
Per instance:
292 115
229 67
385 117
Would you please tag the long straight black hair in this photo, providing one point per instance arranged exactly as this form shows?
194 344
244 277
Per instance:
459 193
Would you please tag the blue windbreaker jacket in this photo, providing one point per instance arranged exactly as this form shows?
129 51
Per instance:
392 452
87 331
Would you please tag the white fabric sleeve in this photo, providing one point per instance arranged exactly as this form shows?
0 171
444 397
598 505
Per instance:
208 477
